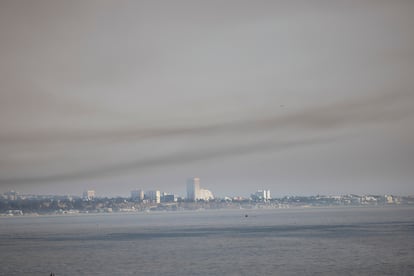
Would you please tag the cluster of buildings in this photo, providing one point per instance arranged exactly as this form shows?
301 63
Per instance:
197 198
153 196
194 193
261 195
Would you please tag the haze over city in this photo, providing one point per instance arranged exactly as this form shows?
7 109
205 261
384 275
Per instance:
298 97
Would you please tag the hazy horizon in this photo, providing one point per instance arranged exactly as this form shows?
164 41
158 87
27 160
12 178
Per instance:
298 97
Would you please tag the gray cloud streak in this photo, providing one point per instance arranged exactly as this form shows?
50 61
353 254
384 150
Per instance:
174 159
361 111
85 85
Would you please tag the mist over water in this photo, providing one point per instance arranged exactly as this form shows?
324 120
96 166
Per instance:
327 241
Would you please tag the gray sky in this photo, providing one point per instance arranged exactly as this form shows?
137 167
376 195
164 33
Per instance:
299 97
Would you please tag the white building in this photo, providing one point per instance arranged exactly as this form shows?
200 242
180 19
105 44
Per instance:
194 192
205 195
137 195
262 195
11 195
193 188
88 195
153 196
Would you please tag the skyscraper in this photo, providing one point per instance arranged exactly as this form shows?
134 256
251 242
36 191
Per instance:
193 188
263 195
137 195
195 192
153 196
88 195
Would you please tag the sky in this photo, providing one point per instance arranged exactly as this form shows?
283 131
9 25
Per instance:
299 97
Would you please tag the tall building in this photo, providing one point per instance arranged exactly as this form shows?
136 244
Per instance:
268 195
11 195
195 192
137 195
168 197
193 188
263 195
153 196
88 195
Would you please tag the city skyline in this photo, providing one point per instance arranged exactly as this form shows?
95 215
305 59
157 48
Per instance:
296 97
139 194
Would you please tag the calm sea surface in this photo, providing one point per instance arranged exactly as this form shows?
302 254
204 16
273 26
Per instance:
320 241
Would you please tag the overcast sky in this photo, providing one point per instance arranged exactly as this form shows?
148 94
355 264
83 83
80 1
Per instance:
299 97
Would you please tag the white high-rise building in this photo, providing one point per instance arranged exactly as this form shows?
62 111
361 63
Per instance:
137 195
11 195
89 195
195 192
262 195
153 196
268 195
193 188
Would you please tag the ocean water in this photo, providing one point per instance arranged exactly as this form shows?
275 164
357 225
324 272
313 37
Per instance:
319 241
